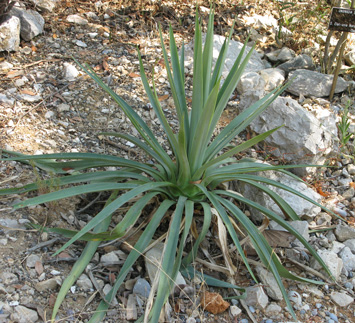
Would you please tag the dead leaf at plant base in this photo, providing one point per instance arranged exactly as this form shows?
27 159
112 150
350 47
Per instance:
213 302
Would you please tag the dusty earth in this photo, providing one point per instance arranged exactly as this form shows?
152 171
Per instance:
70 114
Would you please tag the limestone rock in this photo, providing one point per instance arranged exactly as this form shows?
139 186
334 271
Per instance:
255 63
341 299
84 282
49 284
302 207
302 140
299 62
10 34
350 244
348 259
273 78
302 228
45 5
269 281
311 83
256 297
77 20
70 72
25 315
334 263
281 55
153 261
251 80
32 22
344 232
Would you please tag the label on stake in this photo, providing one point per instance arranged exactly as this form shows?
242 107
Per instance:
342 19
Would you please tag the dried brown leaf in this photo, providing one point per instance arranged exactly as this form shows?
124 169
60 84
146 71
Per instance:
213 302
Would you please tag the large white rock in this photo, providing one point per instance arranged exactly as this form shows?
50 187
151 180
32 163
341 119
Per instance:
32 22
10 34
311 83
303 139
302 207
273 78
255 63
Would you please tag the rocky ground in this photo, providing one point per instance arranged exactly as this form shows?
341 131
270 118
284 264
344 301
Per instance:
48 105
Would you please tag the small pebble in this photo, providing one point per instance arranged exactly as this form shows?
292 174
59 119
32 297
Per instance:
333 317
252 309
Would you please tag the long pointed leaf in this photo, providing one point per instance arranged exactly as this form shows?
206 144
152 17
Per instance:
139 247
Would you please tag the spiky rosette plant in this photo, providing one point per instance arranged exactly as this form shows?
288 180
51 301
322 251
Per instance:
186 181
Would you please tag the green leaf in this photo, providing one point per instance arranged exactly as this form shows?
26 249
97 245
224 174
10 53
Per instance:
223 214
72 191
82 262
112 207
167 266
139 247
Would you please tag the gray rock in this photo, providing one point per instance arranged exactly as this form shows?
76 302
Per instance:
299 62
31 260
348 259
311 83
6 100
10 34
45 5
350 58
281 55
84 283
334 263
300 206
106 289
273 78
25 315
153 261
29 98
269 281
76 19
302 140
341 299
337 247
251 80
131 310
32 22
302 228
350 244
255 63
273 310
49 284
256 297
110 257
142 288
344 232
8 278
63 107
